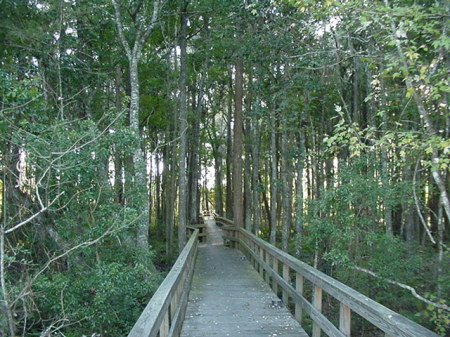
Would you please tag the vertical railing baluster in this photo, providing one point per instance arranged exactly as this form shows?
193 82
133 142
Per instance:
344 319
275 268
299 288
267 257
317 302
164 329
261 256
286 277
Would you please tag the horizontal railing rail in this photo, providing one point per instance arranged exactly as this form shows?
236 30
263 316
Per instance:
221 221
278 269
202 233
164 314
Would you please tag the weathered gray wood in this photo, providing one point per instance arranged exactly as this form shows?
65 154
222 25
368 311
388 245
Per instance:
274 282
299 289
317 302
288 280
229 298
385 319
154 315
315 314
221 221
344 319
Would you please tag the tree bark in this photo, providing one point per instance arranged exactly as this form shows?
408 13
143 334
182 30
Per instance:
273 177
229 158
299 193
255 180
238 200
182 183
286 177
139 185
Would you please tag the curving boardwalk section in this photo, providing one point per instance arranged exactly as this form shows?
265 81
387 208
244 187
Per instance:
229 298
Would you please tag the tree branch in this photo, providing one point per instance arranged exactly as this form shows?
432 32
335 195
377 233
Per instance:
422 220
119 25
404 286
42 210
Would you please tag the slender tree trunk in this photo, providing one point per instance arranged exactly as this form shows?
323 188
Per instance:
118 161
218 184
273 177
286 177
255 181
182 198
441 228
139 184
5 305
238 200
140 180
385 164
299 194
247 165
229 158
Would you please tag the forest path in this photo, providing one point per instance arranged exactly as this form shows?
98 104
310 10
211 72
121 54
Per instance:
229 298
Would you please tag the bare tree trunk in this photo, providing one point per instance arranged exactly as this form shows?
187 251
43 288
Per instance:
286 177
299 193
218 189
229 158
218 182
139 185
248 201
255 180
238 200
385 164
5 305
182 197
273 177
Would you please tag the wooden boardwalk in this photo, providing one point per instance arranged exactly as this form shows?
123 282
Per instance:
229 298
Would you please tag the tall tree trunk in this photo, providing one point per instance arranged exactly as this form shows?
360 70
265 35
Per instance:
182 183
385 164
5 306
255 181
273 176
247 163
238 200
139 184
286 177
218 193
229 158
299 193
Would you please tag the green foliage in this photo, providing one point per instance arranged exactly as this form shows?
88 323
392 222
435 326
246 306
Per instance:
439 318
346 216
105 299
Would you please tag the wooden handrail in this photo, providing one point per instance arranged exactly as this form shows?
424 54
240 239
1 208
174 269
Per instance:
164 314
221 221
268 260
202 233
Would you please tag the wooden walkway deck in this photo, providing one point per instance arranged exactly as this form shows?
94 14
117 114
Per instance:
229 298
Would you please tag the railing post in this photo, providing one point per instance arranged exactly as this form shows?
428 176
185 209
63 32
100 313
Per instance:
287 279
261 256
317 302
275 268
164 329
344 319
299 288
267 257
